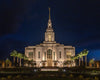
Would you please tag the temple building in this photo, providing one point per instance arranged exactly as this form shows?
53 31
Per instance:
49 53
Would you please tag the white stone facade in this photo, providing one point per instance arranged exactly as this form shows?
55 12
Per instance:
49 53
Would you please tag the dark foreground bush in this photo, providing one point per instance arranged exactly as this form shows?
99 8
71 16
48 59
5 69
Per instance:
48 77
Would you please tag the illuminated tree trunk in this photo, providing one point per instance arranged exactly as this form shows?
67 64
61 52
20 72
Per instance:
85 60
3 64
14 59
90 64
97 63
82 61
20 62
71 63
79 61
17 59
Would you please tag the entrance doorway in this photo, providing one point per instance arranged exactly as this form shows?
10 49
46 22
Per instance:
49 58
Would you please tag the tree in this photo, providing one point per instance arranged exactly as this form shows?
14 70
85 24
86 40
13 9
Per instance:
80 57
13 54
74 58
8 62
32 63
20 56
68 62
82 54
25 59
85 53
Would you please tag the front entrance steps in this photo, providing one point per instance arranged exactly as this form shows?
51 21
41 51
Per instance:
49 69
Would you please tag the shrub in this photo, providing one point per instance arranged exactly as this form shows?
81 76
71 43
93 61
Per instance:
96 78
71 75
94 71
18 77
40 75
3 78
81 77
87 79
25 77
63 75
9 77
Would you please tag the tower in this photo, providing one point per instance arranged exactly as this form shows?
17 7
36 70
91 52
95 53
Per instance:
49 34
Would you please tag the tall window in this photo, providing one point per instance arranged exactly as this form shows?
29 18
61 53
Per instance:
49 54
49 36
30 55
44 55
39 54
54 55
59 54
68 54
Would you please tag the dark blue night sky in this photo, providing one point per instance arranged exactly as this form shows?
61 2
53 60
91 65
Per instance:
75 22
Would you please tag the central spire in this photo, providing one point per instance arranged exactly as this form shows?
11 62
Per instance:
49 34
49 13
49 21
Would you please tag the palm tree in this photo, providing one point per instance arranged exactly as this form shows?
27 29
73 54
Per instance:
26 62
14 54
85 53
17 58
25 58
82 54
80 57
74 58
32 62
68 62
20 56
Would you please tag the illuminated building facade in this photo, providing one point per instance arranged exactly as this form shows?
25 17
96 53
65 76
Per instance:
49 53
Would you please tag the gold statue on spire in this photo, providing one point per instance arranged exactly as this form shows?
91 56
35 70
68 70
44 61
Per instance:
49 12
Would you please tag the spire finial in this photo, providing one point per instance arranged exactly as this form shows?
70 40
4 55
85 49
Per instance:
49 12
49 21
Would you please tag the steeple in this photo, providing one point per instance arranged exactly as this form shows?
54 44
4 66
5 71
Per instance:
49 34
49 21
49 13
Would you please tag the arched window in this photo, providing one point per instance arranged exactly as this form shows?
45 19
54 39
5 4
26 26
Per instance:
49 54
39 54
59 54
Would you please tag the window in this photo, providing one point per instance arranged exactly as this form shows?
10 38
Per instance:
49 54
39 54
30 55
44 55
68 54
49 36
54 55
59 54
